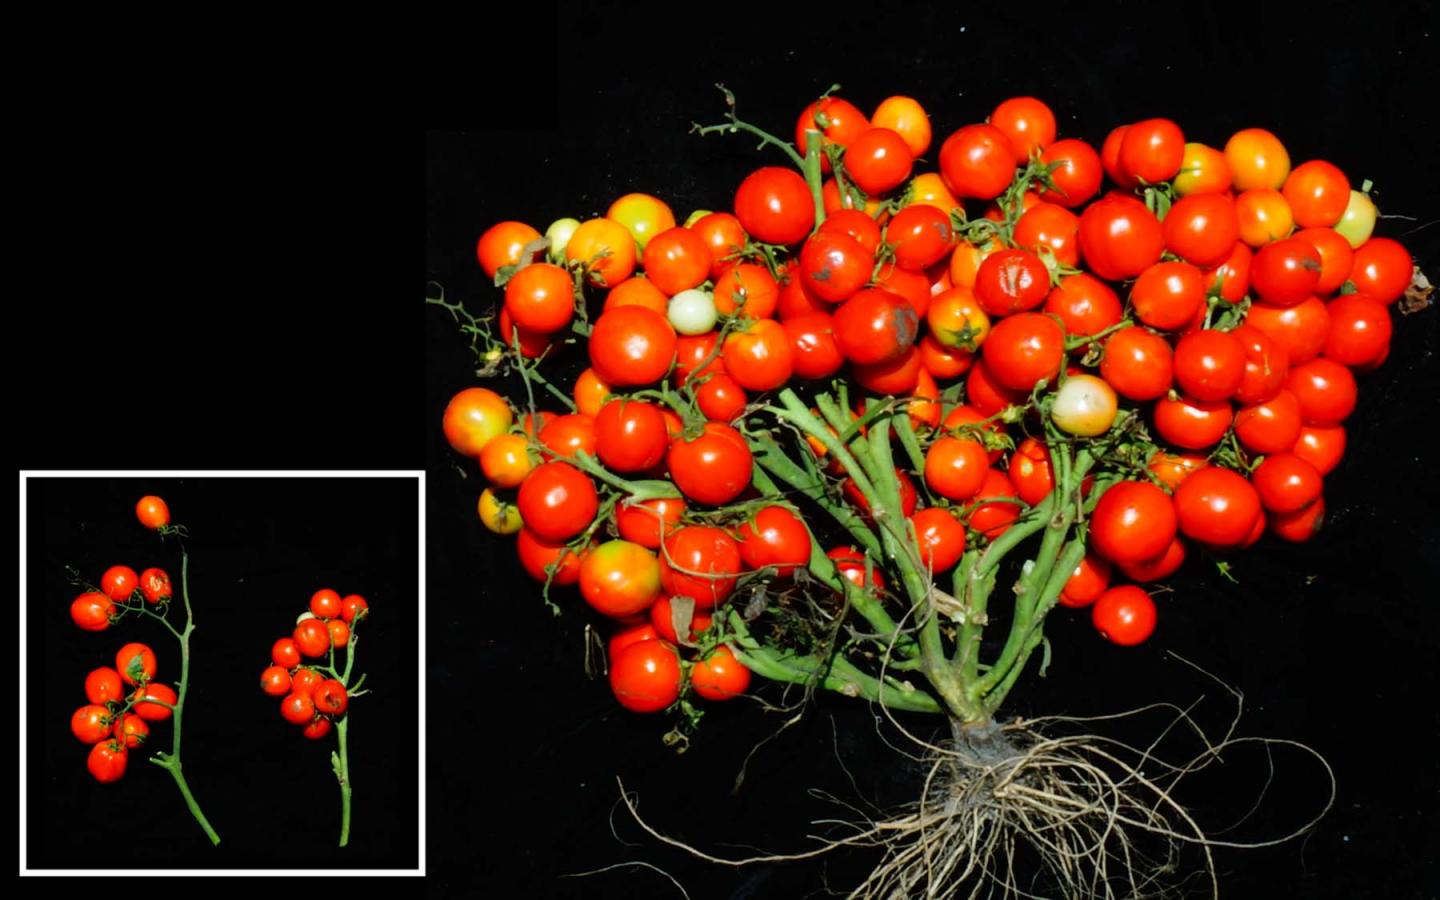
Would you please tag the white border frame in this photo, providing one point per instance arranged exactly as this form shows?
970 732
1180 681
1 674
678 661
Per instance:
419 475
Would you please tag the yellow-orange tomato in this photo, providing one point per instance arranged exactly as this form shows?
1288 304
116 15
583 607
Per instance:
925 408
965 262
642 215
1264 216
1318 193
499 515
506 461
590 393
907 118
1257 159
637 291
473 417
833 202
930 189
956 319
620 578
607 247
501 244
1203 170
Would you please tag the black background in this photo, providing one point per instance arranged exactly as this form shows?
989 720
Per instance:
1332 643
259 547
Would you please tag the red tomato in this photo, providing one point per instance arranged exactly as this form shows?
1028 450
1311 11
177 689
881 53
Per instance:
924 410
631 345
955 468
1269 427
312 637
330 698
1209 365
1024 348
1299 527
502 244
325 603
1138 363
107 761
1359 330
152 512
774 536
132 730
153 712
1085 304
721 398
1285 272
1202 229
1152 150
712 468
1134 521
878 161
838 121
906 117
541 298
641 523
814 350
774 206
691 351
297 709
568 435
354 607
275 681
759 356
920 235
119 582
1011 281
1321 447
793 300
1300 331
676 260
1049 225
1192 424
988 395
700 562
833 266
304 681
940 537
994 518
957 420
1124 615
1217 507
634 634
317 729
1162 566
1317 192
557 501
977 161
720 676
875 326
103 685
858 225
1266 366
1325 389
91 723
537 554
1120 238
723 236
285 653
1286 483
1027 122
1030 471
607 247
1336 257
1167 295
1077 176
908 498
1382 268
899 376
636 291
630 435
91 611
619 578
1110 157
1174 468
339 633
850 563
135 662
1089 580
944 362
645 676
662 625
747 289
1233 275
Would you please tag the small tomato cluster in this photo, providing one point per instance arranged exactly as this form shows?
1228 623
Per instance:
114 721
311 700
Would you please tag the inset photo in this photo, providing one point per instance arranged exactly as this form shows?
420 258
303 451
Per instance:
222 672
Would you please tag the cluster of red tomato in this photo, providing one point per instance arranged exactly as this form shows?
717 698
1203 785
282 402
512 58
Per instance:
310 699
1251 293
115 722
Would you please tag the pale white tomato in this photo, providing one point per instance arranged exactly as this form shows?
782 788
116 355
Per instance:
1084 405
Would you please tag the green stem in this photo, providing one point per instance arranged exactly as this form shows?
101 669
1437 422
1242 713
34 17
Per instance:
341 764
810 167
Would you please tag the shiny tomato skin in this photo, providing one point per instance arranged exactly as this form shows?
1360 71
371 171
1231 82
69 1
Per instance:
633 634
531 343
1138 363
1326 391
1231 279
723 235
850 565
878 161
1152 150
944 362
1300 331
1203 170
1024 348
103 685
1269 427
642 215
1336 257
1053 226
907 118
1133 521
774 206
1090 579
1167 295
746 289
275 681
854 224
152 512
1359 330
720 676
132 730
1382 268
1162 566
304 681
834 266
1124 615
714 467
814 350
339 632
631 346
898 376
912 287
91 723
1321 447
1120 238
630 435
312 637
759 356
1077 177
677 259
1174 468
1298 527
1029 470
875 326
1285 272
557 501
1217 507
330 698
1209 365
325 603
955 468
1264 216
977 161
607 248
502 244
1192 424
505 461
135 662
153 712
921 236
1027 122
119 582
1266 366
285 653
619 579
1110 157
940 537
317 729
774 536
843 122
568 435
297 709
1257 159
536 554
1085 304
1011 281
721 398
645 676
636 291
541 298
107 761
642 523
994 518
700 562
1286 483
987 394
91 611
1202 229
1317 192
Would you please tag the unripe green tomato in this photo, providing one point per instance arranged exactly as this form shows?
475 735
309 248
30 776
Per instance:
559 234
1084 405
692 311
1358 220
696 216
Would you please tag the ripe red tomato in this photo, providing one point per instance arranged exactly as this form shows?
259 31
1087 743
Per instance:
1162 566
339 633
714 467
1285 272
721 398
1231 279
1085 304
1011 281
875 326
90 723
1382 268
303 681
641 523
1321 447
630 435
537 553
103 685
353 607
1326 391
1298 527
1168 295
1120 238
759 356
1134 521
920 235
1202 229
987 395
746 289
700 562
850 563
1217 506
723 235
1266 366
541 298
774 536
107 761
941 538
720 676
473 417
1300 331
1209 365
1174 468
955 468
297 708
977 161
645 676
131 730
944 362
1124 615
152 512
908 498
325 603
1359 330
619 578
1317 192
1027 122
330 698
1336 257
285 653
1269 427
676 260
153 712
119 582
275 681
1024 348
1286 483
833 265
1110 157
878 160
1138 363
662 625
634 634
557 501
859 226
633 291
898 376
317 729
907 118
815 352
1053 226
994 518
838 120
1030 471
569 434
91 611
774 206
502 244
1089 580
312 637
1077 176
1192 424
135 662
1152 150
631 345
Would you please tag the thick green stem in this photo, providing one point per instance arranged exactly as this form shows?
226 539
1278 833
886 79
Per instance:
810 167
774 461
342 773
